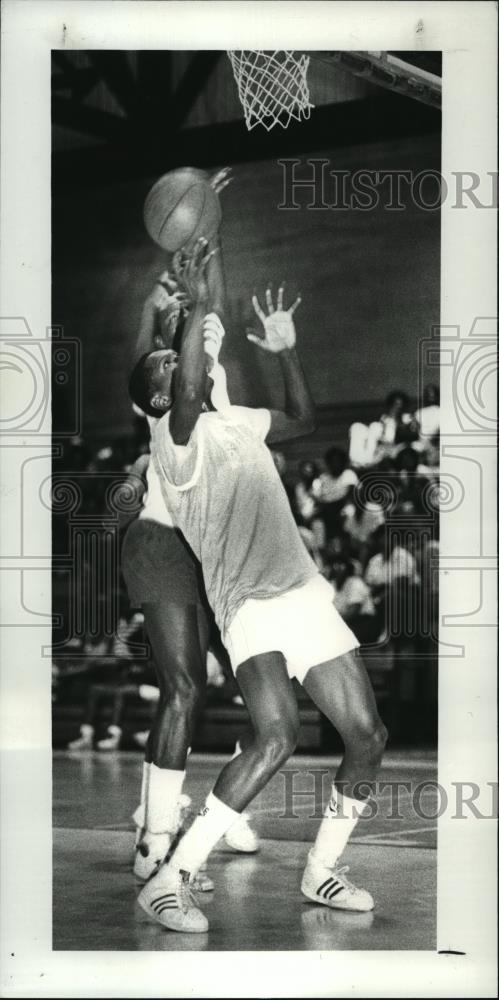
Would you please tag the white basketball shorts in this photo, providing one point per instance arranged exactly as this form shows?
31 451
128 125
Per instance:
303 624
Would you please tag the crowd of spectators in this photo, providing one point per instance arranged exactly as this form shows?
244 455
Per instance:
372 526
368 516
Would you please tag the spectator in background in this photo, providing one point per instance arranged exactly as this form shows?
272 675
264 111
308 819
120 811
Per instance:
313 546
361 518
115 677
399 425
339 548
393 578
426 554
428 419
305 501
396 426
388 564
305 506
333 490
410 484
354 602
428 416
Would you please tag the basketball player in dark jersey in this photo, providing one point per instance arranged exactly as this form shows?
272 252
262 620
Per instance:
164 578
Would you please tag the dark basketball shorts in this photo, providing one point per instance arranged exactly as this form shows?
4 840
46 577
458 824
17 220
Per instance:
158 566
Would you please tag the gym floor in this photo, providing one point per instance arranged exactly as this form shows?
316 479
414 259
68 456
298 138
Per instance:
257 904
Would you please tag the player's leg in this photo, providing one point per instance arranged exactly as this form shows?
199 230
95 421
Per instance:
178 634
271 703
341 689
161 578
241 837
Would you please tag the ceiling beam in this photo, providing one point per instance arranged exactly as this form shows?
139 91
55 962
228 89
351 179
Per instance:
199 69
114 68
90 121
79 80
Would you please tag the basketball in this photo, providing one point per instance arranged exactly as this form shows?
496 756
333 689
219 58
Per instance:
181 207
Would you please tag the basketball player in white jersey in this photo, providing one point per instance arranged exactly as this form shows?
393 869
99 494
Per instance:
273 609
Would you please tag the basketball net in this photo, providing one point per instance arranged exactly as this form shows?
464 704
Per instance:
272 87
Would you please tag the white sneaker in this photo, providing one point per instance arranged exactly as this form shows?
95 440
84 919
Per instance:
111 742
85 739
150 853
328 885
171 903
202 882
139 818
151 849
241 837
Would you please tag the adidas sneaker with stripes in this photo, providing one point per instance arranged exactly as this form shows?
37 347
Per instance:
327 884
173 904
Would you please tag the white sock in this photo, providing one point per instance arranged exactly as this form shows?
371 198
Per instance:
163 793
209 826
139 816
340 819
237 750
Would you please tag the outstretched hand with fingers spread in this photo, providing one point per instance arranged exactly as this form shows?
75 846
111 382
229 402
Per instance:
279 332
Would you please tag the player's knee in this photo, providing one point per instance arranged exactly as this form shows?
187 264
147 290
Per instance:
279 743
379 738
186 696
370 739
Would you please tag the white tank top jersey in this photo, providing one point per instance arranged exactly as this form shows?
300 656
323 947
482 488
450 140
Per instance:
154 507
228 500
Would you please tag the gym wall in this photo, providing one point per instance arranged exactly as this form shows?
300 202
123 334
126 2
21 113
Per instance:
369 281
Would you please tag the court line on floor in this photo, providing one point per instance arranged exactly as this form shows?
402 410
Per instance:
209 759
364 840
422 846
378 837
330 762
373 839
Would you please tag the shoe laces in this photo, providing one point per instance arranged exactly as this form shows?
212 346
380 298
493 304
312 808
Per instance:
186 895
340 873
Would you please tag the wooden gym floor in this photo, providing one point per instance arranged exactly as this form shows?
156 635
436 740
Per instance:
256 905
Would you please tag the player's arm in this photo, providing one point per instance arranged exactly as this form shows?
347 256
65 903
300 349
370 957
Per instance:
164 300
190 375
130 493
279 337
216 282
216 275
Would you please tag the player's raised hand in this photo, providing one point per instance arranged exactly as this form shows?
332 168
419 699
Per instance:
164 305
279 332
166 291
190 270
